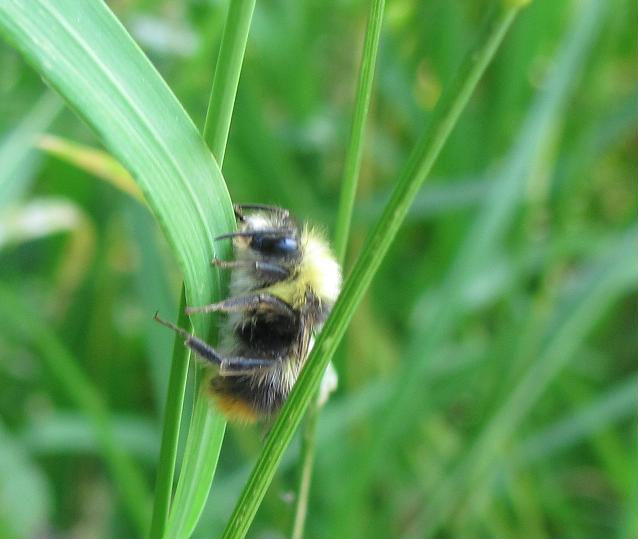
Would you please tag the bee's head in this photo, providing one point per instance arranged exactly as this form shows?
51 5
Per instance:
275 246
269 233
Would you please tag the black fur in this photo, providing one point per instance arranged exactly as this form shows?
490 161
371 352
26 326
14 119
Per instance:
268 335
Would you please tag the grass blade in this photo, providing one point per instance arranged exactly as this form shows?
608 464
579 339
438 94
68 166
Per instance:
354 154
17 162
170 431
224 90
93 161
354 151
203 444
85 53
379 241
613 274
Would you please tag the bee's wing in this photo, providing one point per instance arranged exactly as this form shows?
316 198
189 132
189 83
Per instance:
305 342
312 317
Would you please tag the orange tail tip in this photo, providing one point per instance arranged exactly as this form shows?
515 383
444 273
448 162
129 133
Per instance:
234 409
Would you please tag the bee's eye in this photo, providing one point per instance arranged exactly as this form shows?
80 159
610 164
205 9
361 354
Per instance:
270 245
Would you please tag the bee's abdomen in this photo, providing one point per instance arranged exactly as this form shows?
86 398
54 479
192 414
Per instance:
266 335
241 399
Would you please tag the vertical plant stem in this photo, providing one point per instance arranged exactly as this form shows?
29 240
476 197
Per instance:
207 427
352 167
306 463
224 89
170 429
375 250
355 145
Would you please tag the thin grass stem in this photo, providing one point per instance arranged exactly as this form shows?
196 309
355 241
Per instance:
306 463
227 71
170 429
354 151
352 168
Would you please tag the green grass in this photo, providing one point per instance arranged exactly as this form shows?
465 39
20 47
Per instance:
349 182
207 429
373 253
485 379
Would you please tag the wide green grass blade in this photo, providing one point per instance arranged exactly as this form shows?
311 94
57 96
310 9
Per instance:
82 50
201 453
376 248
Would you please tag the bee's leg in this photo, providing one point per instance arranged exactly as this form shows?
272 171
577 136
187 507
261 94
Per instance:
205 350
237 366
271 271
243 303
228 366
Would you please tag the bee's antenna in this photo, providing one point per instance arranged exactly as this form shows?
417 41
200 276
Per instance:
277 232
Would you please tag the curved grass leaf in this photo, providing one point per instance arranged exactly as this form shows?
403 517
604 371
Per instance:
92 161
84 52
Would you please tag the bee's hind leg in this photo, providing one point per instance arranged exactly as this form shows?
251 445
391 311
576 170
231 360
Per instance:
205 350
228 366
236 366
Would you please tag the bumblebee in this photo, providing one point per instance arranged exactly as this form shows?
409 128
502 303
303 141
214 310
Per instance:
284 281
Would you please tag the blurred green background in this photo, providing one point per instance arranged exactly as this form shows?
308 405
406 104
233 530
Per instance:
510 292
